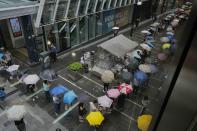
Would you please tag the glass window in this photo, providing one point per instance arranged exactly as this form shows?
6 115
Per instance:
82 7
73 32
118 3
72 8
99 4
82 26
98 24
112 3
48 11
91 6
91 26
123 2
63 36
61 10
106 4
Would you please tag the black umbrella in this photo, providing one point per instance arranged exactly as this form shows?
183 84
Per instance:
126 76
48 74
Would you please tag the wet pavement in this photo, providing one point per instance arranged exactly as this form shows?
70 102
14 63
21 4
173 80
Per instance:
42 114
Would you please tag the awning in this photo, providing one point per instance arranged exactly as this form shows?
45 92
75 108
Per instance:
119 45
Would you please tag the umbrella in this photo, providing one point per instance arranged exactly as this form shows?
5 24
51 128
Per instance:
31 79
58 90
170 33
176 20
148 38
143 122
149 60
69 97
174 24
145 68
126 76
141 76
107 76
113 93
164 39
181 16
162 56
125 88
155 24
49 75
169 28
146 47
83 97
3 94
166 46
12 68
146 32
135 54
16 112
115 28
153 68
150 44
104 101
95 118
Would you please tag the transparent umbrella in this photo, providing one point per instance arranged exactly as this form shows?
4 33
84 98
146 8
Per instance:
16 112
49 75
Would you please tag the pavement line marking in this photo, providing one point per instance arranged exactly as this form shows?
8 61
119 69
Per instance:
65 113
37 117
129 117
102 86
37 92
14 84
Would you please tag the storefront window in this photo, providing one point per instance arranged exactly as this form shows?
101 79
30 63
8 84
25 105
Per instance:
91 6
82 27
99 4
63 36
82 8
123 2
91 26
112 3
72 8
48 11
61 10
98 24
73 32
106 4
118 3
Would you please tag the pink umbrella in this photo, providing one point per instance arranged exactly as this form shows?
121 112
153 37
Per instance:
162 56
125 88
113 93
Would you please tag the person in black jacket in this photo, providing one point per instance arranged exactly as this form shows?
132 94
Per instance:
82 111
20 124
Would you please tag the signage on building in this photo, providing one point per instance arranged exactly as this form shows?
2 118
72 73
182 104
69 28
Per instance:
16 27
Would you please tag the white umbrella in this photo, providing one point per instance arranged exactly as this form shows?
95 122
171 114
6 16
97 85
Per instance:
155 24
175 20
145 32
115 28
169 28
164 39
16 112
146 47
12 68
135 54
181 16
174 24
104 101
107 76
31 79
145 68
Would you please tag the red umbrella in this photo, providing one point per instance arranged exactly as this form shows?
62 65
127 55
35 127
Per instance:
125 88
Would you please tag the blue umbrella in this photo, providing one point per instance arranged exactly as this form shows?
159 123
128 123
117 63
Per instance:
140 76
170 37
150 44
58 90
149 38
1 56
69 97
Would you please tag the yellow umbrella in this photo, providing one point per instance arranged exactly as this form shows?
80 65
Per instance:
144 122
166 46
95 118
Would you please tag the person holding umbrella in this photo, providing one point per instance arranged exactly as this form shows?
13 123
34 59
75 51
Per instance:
46 90
57 104
107 77
20 125
82 111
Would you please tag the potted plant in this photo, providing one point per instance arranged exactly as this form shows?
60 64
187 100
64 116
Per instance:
74 68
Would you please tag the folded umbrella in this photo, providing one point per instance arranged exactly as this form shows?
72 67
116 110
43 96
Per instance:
126 76
164 39
113 93
31 79
107 76
58 90
104 101
140 76
146 47
16 112
144 68
162 56
12 68
69 97
95 118
125 88
49 75
166 46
